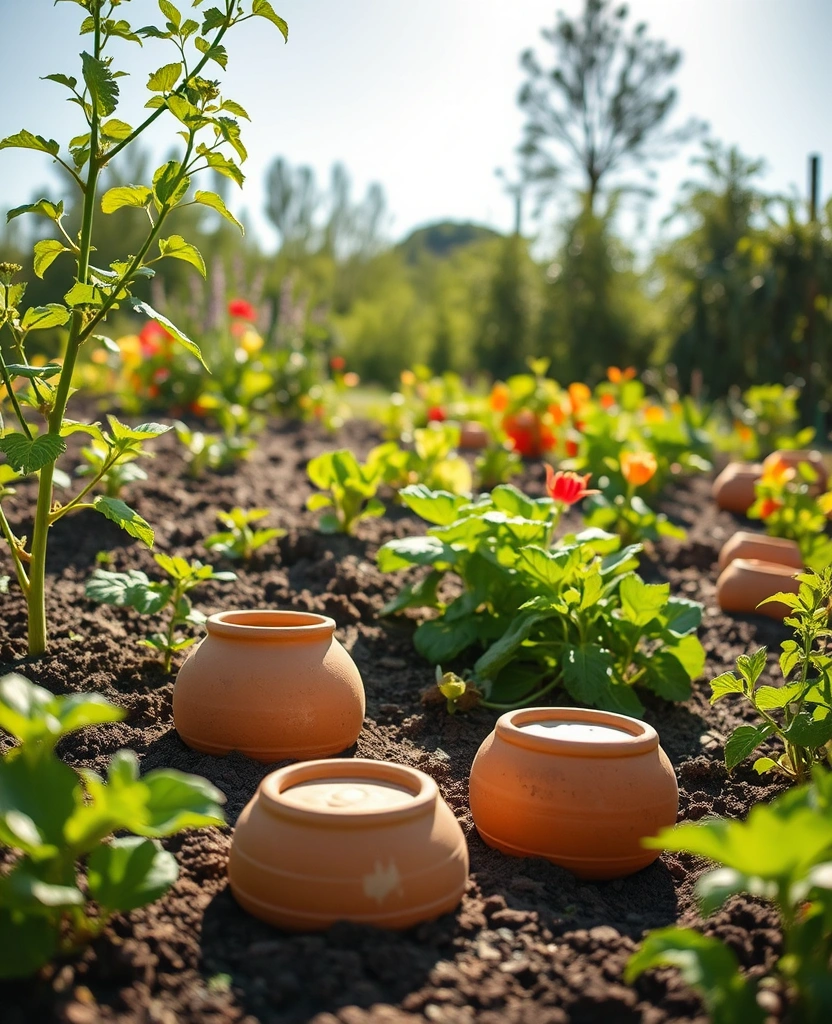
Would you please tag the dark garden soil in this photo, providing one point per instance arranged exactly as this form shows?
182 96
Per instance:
529 943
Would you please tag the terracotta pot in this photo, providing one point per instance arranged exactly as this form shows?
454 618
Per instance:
581 788
348 840
745 544
747 581
271 684
793 457
473 436
733 489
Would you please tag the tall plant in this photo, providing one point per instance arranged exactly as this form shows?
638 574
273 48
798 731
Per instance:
209 126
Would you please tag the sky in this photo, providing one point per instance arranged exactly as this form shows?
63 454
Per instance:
421 97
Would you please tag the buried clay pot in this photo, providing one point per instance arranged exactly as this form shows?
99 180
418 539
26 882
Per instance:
579 787
733 490
347 840
745 544
271 684
793 458
745 582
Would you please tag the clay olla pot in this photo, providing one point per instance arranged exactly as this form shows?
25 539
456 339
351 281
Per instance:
745 544
473 436
348 840
747 581
581 788
271 684
733 489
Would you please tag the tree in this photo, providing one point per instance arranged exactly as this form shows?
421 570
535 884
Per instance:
601 108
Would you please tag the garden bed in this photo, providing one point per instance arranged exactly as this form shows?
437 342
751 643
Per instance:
529 942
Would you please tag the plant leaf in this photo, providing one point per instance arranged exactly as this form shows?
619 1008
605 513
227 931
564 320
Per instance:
26 140
176 247
130 872
101 83
124 516
39 318
215 202
263 9
46 252
27 455
165 78
743 742
125 195
172 329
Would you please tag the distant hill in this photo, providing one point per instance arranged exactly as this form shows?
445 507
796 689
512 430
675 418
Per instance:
440 239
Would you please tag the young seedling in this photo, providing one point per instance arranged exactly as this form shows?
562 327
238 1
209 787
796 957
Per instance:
781 853
61 825
33 437
134 589
239 540
352 490
214 452
113 479
797 714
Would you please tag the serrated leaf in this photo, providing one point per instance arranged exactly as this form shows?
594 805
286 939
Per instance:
641 602
125 195
165 78
44 207
169 184
39 318
84 295
27 455
101 83
744 742
46 252
588 676
215 202
234 108
26 140
171 12
115 129
751 666
724 684
211 19
131 589
130 521
263 9
177 248
66 80
172 329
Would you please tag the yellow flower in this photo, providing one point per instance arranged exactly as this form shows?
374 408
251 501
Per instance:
776 471
408 378
131 349
654 414
638 467
251 342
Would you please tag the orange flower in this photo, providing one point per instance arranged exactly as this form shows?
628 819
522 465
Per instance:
768 506
776 471
607 400
408 378
567 488
654 414
351 379
571 448
557 413
499 397
638 467
579 395
618 376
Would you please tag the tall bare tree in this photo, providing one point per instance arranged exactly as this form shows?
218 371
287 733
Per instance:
599 109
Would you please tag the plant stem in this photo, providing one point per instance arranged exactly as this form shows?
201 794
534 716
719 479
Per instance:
6 529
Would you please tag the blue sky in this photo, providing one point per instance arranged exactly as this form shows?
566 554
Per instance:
422 96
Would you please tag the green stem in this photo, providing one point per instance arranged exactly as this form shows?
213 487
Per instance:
74 503
13 398
19 569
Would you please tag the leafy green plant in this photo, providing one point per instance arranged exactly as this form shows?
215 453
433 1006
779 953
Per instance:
497 464
782 853
574 614
69 872
214 452
134 589
797 714
113 477
238 540
352 489
209 127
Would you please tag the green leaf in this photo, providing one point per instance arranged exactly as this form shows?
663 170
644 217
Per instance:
724 684
84 295
26 140
234 108
667 676
125 195
44 207
66 80
165 78
222 165
43 790
176 800
101 83
415 595
132 589
169 184
440 640
212 18
215 202
39 318
28 943
406 551
216 51
707 965
263 9
504 650
171 12
27 455
588 676
116 130
124 516
642 602
751 666
438 507
46 252
130 872
810 733
770 698
683 615
744 742
172 329
177 248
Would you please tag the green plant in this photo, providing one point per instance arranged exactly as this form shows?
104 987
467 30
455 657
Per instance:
782 853
214 452
238 540
789 506
497 464
574 614
133 589
352 489
210 129
799 713
69 874
113 479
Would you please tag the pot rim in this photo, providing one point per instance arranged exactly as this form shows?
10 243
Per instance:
640 738
269 624
760 565
424 790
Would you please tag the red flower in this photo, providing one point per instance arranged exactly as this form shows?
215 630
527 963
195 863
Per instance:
768 506
567 488
571 448
151 338
436 414
242 310
337 364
